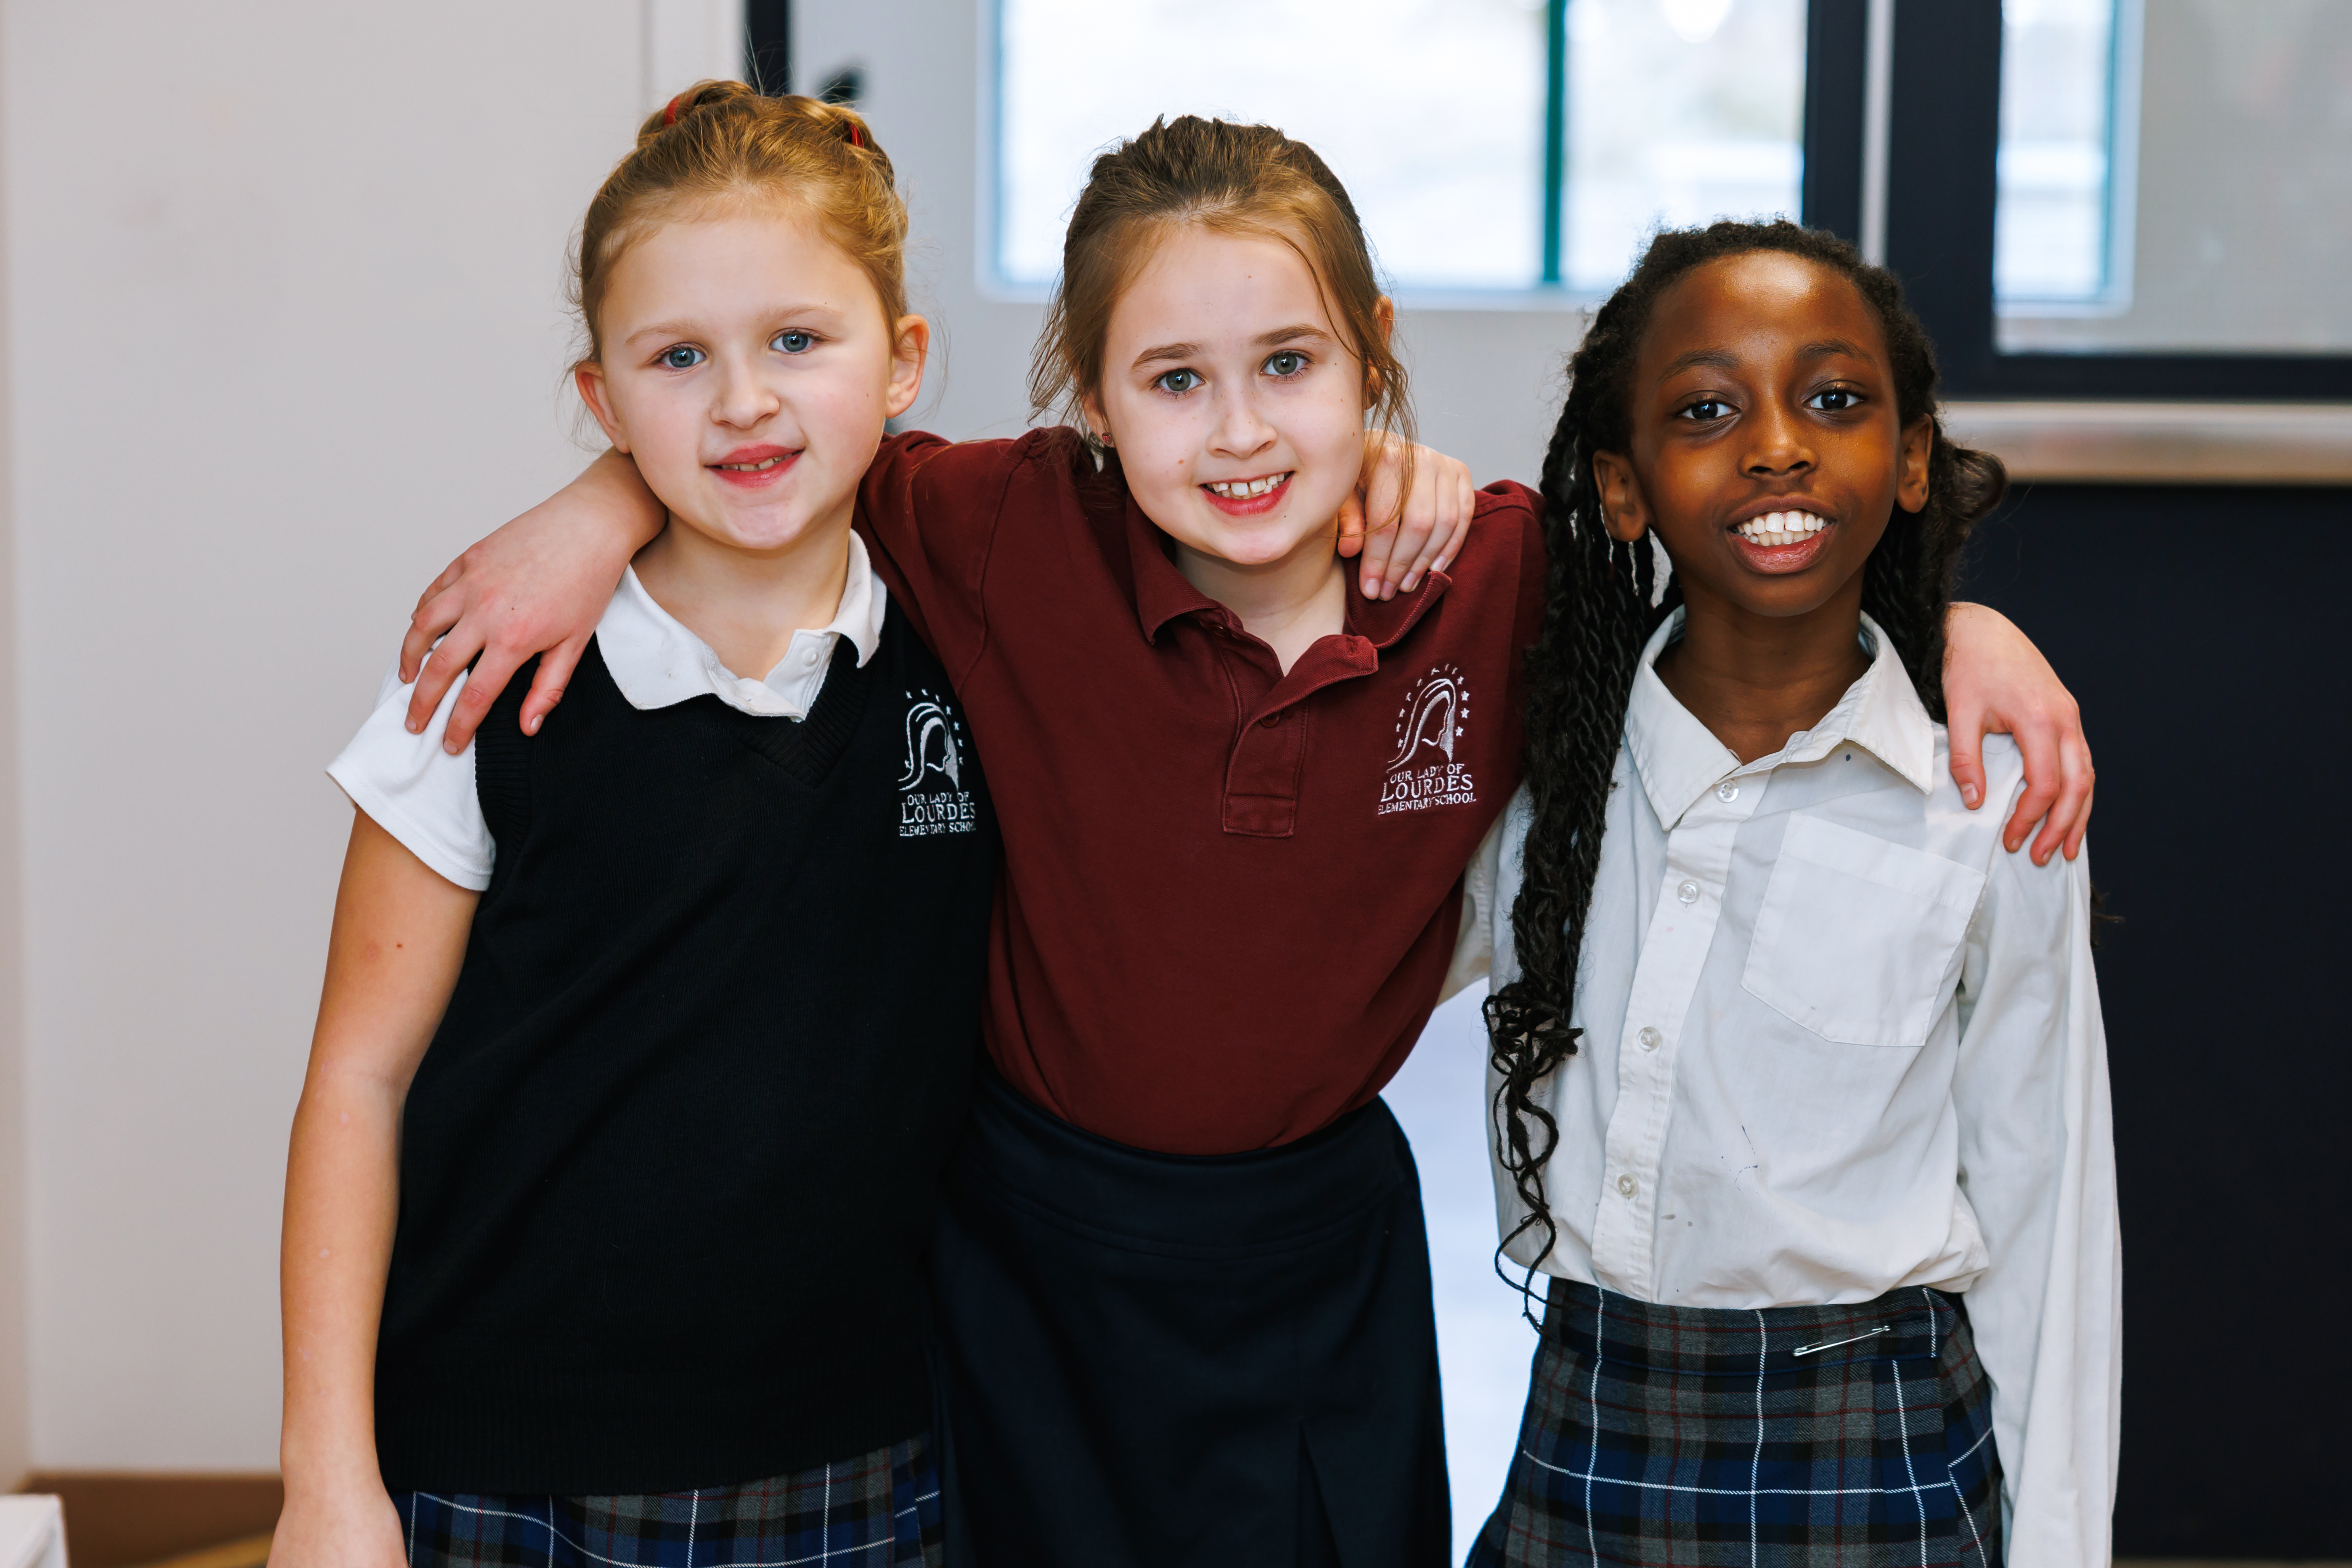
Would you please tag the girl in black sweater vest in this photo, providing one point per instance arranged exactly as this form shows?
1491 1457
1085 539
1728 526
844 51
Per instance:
644 1036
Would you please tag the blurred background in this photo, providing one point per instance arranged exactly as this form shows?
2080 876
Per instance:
281 321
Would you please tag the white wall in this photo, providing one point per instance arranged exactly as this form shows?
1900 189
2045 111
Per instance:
16 1414
283 332
1485 382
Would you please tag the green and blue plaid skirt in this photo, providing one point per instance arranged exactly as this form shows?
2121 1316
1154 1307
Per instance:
879 1510
1859 1435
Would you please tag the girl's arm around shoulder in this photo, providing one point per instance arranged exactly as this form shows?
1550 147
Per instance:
1996 682
929 509
398 942
1503 555
538 585
2037 1167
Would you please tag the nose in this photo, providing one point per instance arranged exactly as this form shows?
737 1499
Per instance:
744 398
1241 431
1777 444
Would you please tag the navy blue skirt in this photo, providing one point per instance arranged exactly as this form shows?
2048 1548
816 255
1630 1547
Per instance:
1147 1358
1849 1436
876 1511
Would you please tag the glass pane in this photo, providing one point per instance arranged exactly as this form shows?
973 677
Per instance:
1431 111
2049 233
2227 206
1678 112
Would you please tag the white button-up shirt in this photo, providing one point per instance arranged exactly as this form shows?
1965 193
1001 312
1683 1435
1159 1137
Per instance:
1837 1042
424 798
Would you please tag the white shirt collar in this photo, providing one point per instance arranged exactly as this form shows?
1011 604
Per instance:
1679 759
656 661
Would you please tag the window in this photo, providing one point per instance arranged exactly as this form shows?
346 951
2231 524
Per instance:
1678 112
2221 225
2124 198
1488 144
2064 222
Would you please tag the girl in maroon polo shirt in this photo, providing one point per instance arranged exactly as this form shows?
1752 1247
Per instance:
1181 1284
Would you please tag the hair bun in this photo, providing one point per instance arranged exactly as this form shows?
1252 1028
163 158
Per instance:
701 95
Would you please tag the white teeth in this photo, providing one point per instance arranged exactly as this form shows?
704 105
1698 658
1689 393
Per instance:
1781 528
1243 490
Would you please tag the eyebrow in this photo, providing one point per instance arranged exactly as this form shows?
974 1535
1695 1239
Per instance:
1291 334
1723 359
1719 359
697 329
1829 346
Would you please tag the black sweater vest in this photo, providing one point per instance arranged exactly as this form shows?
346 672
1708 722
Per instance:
669 1167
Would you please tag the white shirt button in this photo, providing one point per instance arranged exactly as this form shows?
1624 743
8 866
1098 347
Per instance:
809 659
1628 1185
1726 791
1689 891
1649 1039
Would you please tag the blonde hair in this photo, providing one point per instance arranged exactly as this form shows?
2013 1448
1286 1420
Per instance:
722 141
1229 179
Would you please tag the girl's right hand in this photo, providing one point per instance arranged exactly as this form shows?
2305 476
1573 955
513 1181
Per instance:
349 1526
539 585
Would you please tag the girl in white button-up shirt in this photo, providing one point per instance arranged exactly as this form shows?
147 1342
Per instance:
1799 1082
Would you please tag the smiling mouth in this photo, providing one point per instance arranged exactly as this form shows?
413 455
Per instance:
1247 490
761 466
1781 528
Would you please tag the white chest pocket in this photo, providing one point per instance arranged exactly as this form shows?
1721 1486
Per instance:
1855 934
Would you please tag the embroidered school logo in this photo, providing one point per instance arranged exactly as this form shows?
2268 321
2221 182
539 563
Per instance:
1422 773
931 796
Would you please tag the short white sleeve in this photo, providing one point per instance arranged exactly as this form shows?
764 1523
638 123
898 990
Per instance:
416 791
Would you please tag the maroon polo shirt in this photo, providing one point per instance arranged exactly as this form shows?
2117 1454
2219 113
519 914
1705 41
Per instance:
1229 894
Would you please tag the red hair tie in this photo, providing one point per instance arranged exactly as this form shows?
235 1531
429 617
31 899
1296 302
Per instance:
670 115
856 134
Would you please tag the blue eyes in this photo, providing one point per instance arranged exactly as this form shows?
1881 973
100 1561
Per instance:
685 356
1282 364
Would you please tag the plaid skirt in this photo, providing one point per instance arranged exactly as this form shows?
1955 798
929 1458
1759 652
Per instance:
1858 1435
879 1508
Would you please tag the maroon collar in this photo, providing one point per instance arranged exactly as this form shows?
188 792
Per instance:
1162 593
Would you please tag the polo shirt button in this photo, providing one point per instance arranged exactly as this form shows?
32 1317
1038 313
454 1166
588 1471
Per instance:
1726 792
1271 720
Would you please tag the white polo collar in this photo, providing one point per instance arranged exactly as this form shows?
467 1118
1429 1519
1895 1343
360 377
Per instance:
1679 758
656 661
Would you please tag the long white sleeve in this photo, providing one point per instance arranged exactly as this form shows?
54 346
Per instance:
2037 1154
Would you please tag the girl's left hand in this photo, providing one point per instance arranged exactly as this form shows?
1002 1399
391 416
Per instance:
1422 535
1996 682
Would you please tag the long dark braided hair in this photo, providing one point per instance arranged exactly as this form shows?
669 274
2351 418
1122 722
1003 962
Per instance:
1599 614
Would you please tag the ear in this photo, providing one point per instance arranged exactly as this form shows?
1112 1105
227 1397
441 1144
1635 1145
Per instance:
910 351
588 380
1911 467
1623 509
1090 403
